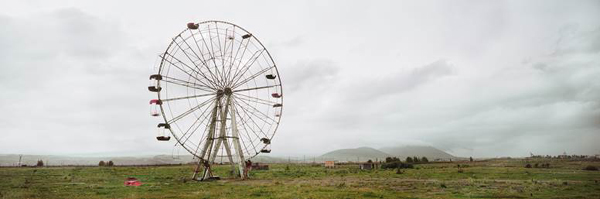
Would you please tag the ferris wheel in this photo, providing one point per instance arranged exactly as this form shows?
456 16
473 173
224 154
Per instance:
219 94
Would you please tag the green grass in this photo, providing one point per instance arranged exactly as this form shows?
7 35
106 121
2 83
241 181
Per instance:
487 179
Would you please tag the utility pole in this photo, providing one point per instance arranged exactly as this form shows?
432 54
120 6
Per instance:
20 156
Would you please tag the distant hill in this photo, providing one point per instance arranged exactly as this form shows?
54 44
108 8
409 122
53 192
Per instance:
362 154
420 151
365 153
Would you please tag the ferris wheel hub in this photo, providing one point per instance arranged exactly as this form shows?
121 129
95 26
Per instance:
228 91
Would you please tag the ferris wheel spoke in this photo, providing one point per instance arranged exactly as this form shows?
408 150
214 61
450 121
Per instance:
211 53
246 66
201 59
236 84
240 59
231 55
221 51
186 113
254 99
213 49
256 110
256 88
244 124
184 71
187 97
196 121
186 84
251 118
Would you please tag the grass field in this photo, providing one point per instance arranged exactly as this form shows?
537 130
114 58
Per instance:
483 179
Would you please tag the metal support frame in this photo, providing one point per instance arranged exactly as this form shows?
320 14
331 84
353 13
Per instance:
211 149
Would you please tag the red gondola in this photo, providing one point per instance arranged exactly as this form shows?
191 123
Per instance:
154 107
276 95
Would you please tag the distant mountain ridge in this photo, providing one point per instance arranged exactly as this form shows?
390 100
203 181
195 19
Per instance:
355 154
364 153
420 151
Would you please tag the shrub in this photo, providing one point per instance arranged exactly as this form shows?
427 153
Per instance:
528 166
110 163
40 163
394 165
101 163
392 159
590 168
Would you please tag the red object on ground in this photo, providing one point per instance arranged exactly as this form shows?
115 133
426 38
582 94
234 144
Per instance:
132 182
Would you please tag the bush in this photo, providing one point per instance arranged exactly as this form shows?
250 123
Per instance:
528 166
101 163
40 163
395 165
110 163
590 168
392 159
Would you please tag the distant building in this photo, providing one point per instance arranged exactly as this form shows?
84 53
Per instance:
258 166
329 164
366 166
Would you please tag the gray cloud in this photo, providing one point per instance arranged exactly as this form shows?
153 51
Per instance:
477 79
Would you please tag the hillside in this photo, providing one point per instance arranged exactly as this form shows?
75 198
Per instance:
362 153
420 151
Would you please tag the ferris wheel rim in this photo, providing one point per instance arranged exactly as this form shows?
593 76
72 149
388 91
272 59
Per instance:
276 70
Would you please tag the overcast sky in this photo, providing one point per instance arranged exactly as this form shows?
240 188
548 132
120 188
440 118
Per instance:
473 78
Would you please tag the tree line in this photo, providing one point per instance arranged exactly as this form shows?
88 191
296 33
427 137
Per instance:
106 164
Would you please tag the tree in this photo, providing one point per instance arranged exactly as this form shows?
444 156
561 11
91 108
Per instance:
40 163
424 159
470 159
416 159
111 163
101 163
369 161
388 159
409 159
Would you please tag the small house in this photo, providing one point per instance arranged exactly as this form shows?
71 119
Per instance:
329 164
366 166
257 166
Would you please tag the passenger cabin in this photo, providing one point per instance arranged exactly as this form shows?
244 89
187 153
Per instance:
155 107
265 151
246 36
153 85
193 26
267 148
271 76
265 140
277 105
276 95
162 132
